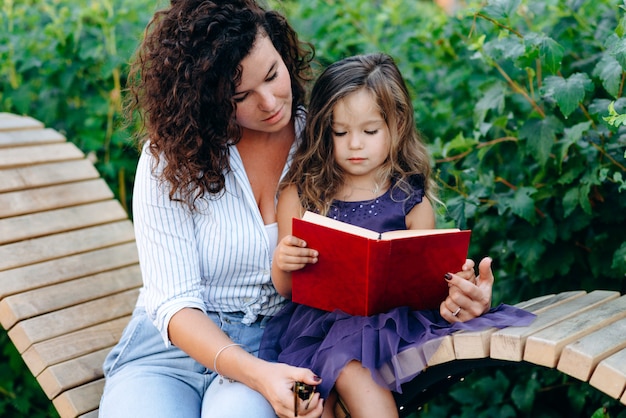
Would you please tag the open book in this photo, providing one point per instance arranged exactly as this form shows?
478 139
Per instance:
363 272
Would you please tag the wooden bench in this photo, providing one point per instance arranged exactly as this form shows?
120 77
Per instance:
69 278
69 273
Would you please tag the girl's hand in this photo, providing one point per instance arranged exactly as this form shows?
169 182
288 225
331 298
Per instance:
467 300
292 254
278 385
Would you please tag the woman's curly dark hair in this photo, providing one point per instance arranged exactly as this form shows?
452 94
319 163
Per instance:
183 79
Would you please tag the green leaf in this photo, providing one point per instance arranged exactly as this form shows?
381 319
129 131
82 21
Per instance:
501 9
614 118
504 48
523 394
618 50
570 201
568 93
570 137
551 53
528 251
540 136
619 259
493 99
523 204
609 71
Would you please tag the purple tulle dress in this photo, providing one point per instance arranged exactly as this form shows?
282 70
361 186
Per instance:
396 345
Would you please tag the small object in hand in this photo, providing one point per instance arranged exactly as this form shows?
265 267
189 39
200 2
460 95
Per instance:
302 391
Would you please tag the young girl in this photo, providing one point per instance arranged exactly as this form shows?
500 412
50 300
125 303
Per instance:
362 162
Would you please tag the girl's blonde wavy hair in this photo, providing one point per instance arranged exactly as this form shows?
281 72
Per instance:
314 171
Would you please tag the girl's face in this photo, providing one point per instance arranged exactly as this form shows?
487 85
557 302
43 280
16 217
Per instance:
361 137
264 96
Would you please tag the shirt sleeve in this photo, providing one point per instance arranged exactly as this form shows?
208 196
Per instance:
168 255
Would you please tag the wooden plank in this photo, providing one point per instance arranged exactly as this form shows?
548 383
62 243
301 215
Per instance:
477 344
51 222
408 362
443 353
544 347
509 343
50 247
580 358
37 302
92 414
72 373
80 400
31 155
610 375
12 122
29 177
75 344
53 197
30 137
67 268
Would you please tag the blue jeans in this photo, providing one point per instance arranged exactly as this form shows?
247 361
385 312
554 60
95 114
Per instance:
146 379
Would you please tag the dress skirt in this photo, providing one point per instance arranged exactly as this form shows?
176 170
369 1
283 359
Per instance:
395 346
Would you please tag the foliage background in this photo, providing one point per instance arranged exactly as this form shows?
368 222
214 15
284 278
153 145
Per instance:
511 95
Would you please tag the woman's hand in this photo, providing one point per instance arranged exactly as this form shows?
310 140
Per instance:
292 254
277 388
466 299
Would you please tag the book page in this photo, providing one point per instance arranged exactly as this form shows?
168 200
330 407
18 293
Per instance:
340 226
405 233
368 233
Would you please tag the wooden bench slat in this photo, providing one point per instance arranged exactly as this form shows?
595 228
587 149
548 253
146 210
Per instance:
580 358
443 353
75 344
55 221
48 174
32 155
67 268
80 400
37 302
509 343
72 373
13 122
610 375
53 197
544 347
67 243
477 344
30 137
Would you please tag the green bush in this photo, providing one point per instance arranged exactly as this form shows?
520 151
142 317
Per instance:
512 95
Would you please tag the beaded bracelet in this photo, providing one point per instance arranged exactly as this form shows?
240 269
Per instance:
215 361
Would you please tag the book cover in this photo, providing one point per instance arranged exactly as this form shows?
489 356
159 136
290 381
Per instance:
363 272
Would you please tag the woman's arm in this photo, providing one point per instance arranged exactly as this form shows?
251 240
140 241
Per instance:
291 252
472 295
196 334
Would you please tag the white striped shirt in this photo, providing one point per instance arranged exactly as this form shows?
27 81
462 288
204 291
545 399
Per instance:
217 258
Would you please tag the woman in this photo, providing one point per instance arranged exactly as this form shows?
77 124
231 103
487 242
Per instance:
220 87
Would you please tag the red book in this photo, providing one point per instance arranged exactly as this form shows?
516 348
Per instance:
363 272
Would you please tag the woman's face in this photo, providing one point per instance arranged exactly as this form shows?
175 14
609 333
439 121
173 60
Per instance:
264 96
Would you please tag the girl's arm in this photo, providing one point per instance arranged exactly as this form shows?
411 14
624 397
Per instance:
422 216
291 252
